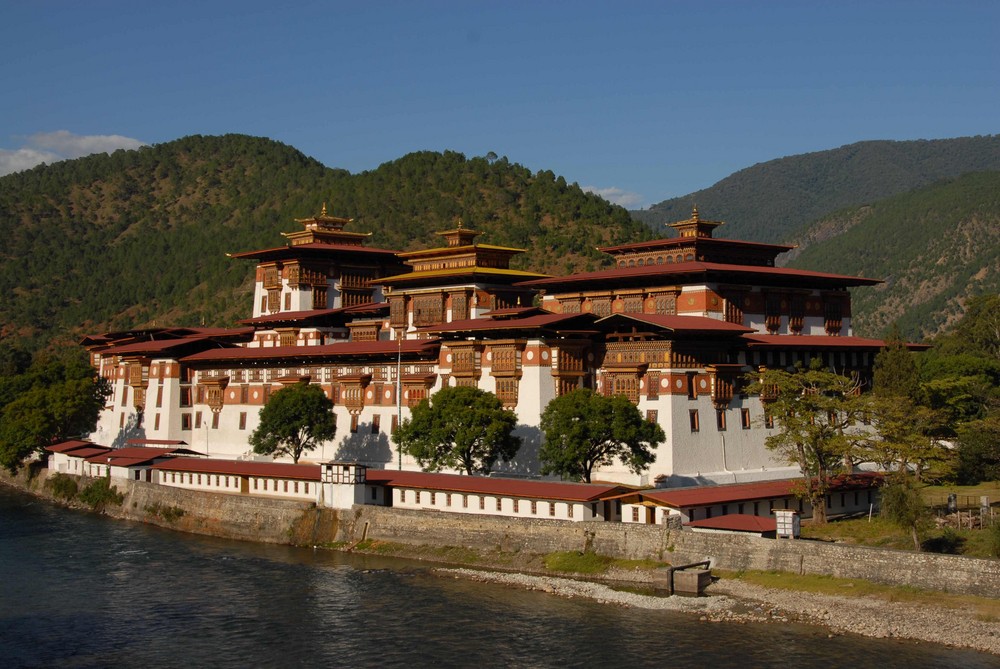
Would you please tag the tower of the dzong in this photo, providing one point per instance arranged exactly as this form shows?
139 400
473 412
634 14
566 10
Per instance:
459 281
322 266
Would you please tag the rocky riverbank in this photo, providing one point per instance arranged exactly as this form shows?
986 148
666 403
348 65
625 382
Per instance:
737 601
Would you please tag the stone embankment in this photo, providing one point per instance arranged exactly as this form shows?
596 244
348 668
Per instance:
740 602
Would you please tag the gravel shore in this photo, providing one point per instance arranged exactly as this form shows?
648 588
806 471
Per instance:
736 601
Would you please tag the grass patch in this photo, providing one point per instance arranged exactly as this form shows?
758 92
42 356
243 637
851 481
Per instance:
883 534
577 562
62 486
982 608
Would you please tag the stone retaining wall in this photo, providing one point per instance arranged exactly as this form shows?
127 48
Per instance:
950 573
291 522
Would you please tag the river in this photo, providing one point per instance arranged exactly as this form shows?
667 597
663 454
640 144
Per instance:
80 590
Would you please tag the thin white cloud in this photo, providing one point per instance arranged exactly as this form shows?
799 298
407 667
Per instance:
69 145
618 196
23 159
49 147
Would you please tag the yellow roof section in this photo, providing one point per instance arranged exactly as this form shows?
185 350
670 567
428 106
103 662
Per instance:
459 271
451 250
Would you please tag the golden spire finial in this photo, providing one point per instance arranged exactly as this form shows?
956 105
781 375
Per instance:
459 224
694 213
323 211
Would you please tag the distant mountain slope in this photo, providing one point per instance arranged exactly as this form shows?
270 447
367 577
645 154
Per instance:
935 247
770 200
140 237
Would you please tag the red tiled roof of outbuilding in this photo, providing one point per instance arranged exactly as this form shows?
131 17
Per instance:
283 470
559 490
737 522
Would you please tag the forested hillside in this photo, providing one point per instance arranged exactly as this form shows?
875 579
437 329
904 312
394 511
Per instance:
139 237
771 200
935 247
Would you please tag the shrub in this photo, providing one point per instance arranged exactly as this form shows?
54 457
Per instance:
62 486
100 494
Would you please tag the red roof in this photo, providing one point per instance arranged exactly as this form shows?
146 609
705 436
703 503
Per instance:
740 492
573 492
137 455
87 452
670 272
282 470
737 522
72 445
683 323
316 314
349 349
290 249
533 322
761 341
160 345
665 242
157 442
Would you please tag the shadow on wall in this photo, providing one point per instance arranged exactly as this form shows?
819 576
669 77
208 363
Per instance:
678 481
365 447
133 430
526 462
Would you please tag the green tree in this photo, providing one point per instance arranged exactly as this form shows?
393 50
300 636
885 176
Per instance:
584 430
459 428
979 451
295 420
902 505
816 413
51 402
895 370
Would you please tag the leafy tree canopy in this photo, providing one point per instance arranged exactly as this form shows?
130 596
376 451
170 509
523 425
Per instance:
52 400
584 430
814 411
459 428
295 420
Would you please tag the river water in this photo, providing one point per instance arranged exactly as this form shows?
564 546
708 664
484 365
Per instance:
80 590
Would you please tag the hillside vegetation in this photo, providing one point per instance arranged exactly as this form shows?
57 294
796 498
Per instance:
139 238
769 201
935 248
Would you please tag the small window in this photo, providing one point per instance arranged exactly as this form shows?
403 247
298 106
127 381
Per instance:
693 417
635 514
652 415
376 422
769 420
482 503
465 501
516 505
720 419
197 420
243 420
745 419
295 486
447 499
552 509
534 508
354 426
499 504
374 494
433 498
185 421
156 421
215 420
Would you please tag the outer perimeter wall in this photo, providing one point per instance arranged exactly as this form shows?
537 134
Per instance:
290 522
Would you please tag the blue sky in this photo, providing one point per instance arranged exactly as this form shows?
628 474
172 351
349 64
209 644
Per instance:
638 100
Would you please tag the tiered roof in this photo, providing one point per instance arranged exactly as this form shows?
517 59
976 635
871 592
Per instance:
461 260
